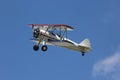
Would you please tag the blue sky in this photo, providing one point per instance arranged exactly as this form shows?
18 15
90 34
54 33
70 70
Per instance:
98 20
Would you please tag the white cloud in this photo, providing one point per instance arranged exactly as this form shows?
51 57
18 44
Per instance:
108 67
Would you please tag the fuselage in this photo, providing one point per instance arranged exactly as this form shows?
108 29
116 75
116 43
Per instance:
49 38
56 39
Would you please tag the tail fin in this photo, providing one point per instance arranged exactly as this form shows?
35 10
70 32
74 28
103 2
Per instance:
86 45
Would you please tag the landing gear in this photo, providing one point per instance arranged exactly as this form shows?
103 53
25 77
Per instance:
44 48
83 53
36 47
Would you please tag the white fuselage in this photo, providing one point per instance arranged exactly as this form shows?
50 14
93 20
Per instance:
49 38
55 39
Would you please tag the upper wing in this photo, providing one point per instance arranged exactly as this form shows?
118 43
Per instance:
52 26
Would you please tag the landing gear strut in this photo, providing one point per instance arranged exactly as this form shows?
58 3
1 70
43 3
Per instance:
36 47
44 48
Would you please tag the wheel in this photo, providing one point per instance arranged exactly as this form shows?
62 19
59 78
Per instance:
36 47
83 53
44 48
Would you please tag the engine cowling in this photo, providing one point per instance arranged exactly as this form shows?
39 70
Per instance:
36 32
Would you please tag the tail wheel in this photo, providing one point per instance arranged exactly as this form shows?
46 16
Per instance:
44 48
35 47
83 53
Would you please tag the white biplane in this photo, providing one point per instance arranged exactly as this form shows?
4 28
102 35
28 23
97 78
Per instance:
56 34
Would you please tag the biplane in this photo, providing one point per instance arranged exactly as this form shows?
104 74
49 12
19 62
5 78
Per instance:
56 34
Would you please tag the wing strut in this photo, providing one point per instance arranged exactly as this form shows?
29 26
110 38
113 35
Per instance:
63 33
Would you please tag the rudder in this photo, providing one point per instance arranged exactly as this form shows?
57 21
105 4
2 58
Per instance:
86 45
